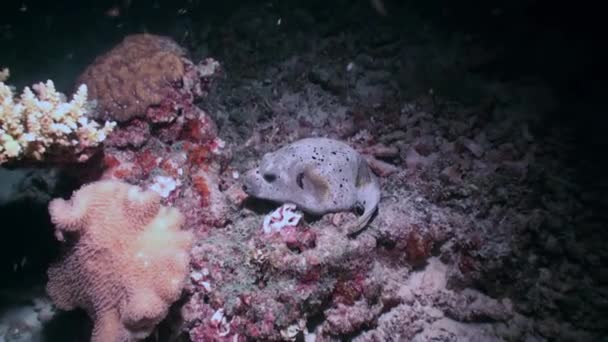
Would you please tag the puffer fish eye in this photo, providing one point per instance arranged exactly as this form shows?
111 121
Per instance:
269 177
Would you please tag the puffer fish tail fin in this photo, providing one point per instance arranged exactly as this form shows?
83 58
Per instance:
369 196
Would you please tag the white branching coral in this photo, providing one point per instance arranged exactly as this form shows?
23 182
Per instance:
41 120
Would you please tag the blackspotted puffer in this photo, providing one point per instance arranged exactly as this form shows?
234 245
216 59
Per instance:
319 176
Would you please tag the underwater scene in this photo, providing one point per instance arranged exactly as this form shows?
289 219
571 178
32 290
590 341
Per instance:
312 171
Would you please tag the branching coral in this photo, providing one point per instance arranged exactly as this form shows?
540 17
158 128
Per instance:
129 261
42 121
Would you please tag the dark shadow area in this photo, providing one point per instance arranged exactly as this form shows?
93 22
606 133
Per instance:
557 43
73 326
28 244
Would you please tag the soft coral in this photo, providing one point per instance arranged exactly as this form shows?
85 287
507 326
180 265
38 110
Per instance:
125 239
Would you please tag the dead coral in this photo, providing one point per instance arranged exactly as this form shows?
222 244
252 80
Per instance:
129 261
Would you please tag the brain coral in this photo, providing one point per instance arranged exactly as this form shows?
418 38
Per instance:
135 74
129 261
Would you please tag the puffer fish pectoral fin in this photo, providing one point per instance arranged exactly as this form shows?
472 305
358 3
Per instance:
364 174
314 184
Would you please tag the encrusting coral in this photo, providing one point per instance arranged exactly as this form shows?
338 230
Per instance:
129 261
41 121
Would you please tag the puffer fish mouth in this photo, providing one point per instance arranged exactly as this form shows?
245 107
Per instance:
247 189
248 183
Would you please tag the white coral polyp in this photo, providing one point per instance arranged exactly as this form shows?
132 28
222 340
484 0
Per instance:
61 128
163 185
11 147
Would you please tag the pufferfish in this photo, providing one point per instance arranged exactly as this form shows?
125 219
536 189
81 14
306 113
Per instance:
319 176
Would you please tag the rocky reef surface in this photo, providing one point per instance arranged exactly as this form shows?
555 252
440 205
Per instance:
487 229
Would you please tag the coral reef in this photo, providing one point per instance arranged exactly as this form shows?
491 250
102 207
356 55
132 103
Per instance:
460 248
483 231
163 141
128 262
179 166
43 125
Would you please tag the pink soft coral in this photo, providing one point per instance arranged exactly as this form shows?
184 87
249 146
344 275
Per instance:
129 261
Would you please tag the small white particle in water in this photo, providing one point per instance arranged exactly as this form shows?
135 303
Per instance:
196 276
350 66
235 174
